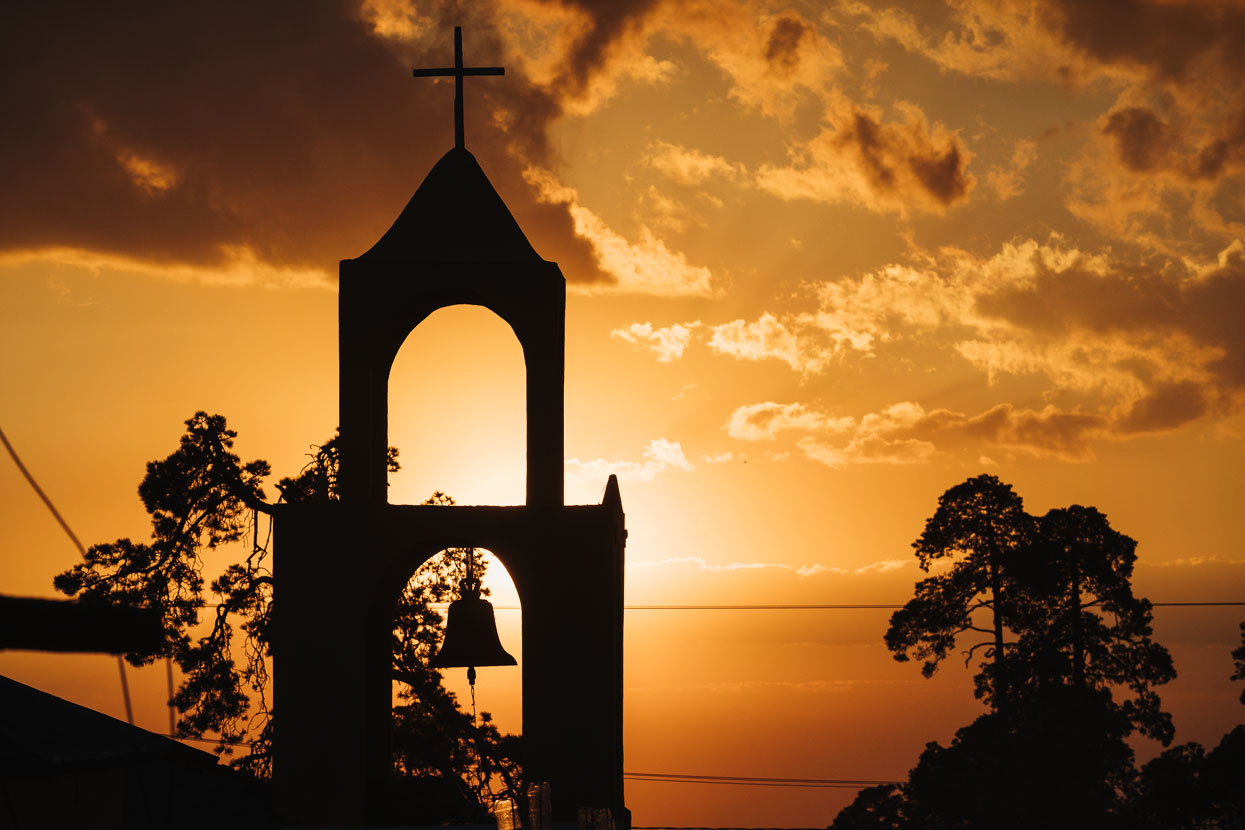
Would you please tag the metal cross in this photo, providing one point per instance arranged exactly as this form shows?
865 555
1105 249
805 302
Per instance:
459 71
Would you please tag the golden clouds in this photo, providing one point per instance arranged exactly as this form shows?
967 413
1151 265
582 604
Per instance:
1176 131
769 338
584 477
274 133
764 421
647 266
690 167
667 343
1126 348
774 57
906 433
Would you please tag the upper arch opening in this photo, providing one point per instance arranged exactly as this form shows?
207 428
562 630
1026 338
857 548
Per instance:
457 410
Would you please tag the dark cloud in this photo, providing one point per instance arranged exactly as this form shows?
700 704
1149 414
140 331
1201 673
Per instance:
1145 142
1165 407
892 154
609 22
1050 431
1118 301
1142 139
177 132
1197 49
782 49
1167 39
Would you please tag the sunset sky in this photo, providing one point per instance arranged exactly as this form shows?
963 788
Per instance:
824 261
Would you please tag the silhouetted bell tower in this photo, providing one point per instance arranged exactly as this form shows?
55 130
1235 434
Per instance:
454 243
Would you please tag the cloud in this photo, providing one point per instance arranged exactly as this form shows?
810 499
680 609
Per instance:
868 449
688 166
1194 562
602 40
289 135
883 566
1008 182
1175 133
859 158
1126 348
769 338
667 343
643 267
764 421
774 61
905 433
1153 340
659 456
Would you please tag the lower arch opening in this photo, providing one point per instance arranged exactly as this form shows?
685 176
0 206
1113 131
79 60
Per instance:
450 763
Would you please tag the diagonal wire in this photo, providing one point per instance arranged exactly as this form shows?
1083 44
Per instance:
47 501
125 685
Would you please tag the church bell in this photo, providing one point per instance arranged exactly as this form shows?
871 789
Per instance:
471 631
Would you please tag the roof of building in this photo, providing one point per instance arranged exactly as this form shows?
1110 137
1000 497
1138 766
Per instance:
455 216
42 731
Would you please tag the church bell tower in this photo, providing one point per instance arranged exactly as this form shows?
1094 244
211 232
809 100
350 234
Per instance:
454 243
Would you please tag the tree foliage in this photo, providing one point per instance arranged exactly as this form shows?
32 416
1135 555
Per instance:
1238 659
1070 671
980 525
1046 586
1079 623
202 497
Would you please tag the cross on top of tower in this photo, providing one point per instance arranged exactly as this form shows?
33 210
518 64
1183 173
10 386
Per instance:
459 71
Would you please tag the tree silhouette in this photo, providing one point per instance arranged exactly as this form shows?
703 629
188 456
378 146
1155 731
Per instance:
982 524
202 497
1078 570
1052 752
1238 659
1187 787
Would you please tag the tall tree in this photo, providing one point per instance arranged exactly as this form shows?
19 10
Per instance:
980 525
1078 570
1056 727
198 501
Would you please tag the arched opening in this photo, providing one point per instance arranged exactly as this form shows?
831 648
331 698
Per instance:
457 410
454 754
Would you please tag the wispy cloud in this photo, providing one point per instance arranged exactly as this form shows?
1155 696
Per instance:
688 166
646 266
658 457
667 343
768 338
1194 562
764 421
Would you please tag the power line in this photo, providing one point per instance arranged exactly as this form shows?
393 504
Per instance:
677 777
834 606
810 607
753 781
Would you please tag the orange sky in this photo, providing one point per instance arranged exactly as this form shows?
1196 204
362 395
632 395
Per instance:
825 261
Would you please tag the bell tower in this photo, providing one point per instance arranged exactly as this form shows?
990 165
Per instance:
454 243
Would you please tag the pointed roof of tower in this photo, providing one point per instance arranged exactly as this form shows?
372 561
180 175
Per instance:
454 216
